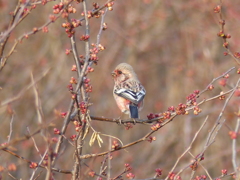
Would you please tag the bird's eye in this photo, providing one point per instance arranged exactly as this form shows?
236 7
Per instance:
119 72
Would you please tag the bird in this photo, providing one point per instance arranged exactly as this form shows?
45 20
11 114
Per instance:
128 92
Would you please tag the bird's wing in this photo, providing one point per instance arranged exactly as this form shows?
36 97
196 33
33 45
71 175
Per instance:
133 96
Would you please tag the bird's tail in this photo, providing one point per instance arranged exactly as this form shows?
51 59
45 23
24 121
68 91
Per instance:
133 111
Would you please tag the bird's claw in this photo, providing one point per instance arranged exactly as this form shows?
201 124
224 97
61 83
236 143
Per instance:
134 121
119 121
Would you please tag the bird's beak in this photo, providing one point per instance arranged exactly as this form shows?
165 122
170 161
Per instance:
113 74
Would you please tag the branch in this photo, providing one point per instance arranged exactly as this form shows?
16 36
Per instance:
188 149
38 165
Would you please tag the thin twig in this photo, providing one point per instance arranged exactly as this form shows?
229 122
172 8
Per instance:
37 101
17 18
6 102
129 144
34 143
29 162
145 121
234 148
40 162
4 59
189 147
224 37
11 129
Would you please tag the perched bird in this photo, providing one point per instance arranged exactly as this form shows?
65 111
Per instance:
128 91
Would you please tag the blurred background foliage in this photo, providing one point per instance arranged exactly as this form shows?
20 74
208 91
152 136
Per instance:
173 47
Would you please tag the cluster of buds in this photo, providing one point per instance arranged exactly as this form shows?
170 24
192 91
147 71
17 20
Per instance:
68 51
217 9
198 158
152 116
34 30
63 114
83 107
101 47
127 167
54 140
225 44
104 26
73 80
196 110
233 134
128 126
25 11
115 145
45 29
84 37
89 14
210 87
74 67
12 167
109 6
158 172
71 9
223 35
166 115
192 98
171 109
202 177
44 2
78 126
89 69
75 23
57 8
33 165
9 168
45 160
151 139
70 87
130 175
97 14
171 175
194 165
56 131
52 17
155 126
222 22
237 93
224 172
88 86
69 26
181 109
73 137
225 53
93 53
223 82
95 5
222 96
82 59
33 6
94 57
91 173
237 55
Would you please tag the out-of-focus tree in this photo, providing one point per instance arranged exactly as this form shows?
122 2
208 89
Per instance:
59 119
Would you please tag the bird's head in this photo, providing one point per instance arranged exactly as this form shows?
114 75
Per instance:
123 72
